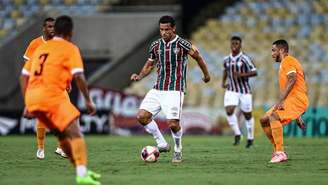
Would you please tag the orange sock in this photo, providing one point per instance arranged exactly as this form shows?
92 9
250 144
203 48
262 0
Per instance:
66 146
79 151
40 136
277 134
268 132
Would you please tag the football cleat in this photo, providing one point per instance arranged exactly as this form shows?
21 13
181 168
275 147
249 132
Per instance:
60 152
237 140
177 157
249 143
278 157
167 148
94 175
87 180
40 154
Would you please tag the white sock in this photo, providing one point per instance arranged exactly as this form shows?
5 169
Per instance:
233 122
250 128
177 137
81 170
153 129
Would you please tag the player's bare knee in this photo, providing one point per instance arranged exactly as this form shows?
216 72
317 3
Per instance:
264 121
274 117
248 115
143 117
174 125
230 110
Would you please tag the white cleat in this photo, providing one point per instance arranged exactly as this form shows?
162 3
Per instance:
60 152
40 154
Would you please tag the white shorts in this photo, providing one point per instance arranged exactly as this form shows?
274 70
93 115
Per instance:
233 99
170 102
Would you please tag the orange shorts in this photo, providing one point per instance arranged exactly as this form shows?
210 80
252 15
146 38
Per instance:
292 110
55 117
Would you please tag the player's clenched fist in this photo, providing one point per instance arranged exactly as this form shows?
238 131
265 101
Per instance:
91 107
206 78
135 77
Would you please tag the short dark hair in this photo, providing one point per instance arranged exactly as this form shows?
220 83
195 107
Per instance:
48 19
63 25
281 43
236 38
167 19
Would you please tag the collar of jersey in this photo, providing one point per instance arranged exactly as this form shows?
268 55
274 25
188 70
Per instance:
44 40
234 58
175 38
57 38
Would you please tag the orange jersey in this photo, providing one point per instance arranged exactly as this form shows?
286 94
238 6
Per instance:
34 44
299 91
297 101
53 66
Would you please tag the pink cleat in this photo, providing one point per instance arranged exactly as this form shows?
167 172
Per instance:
278 157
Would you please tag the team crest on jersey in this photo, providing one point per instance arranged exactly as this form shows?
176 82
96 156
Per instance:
176 50
239 64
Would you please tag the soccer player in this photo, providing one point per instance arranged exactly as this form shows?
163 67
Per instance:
238 68
48 33
54 65
170 55
292 103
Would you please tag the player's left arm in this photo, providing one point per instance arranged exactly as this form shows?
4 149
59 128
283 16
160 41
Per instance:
291 80
251 70
194 53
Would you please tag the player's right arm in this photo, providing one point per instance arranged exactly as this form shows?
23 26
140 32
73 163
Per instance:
224 79
83 87
146 70
23 83
24 77
149 65
76 68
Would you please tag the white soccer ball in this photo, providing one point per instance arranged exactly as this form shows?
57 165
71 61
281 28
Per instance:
149 154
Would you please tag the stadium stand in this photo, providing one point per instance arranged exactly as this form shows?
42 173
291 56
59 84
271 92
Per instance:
14 13
304 23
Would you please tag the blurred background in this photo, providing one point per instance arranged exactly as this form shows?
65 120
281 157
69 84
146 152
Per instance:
114 35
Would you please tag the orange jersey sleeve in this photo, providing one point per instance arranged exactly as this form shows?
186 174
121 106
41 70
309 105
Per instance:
75 63
34 44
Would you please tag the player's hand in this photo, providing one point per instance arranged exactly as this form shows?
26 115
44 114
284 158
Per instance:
300 123
27 114
224 86
206 78
279 106
237 74
91 107
135 77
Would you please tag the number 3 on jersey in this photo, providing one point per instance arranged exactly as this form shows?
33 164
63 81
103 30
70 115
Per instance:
42 59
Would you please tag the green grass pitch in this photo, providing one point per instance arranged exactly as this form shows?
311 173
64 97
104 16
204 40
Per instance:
207 160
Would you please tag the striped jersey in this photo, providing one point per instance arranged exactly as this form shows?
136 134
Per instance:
171 61
240 63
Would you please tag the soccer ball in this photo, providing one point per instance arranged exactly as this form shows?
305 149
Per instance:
149 154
